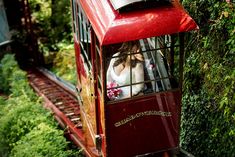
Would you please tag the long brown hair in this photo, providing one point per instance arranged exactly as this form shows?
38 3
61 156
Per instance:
126 51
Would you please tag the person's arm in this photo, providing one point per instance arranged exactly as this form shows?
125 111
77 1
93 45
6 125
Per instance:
110 68
108 74
139 77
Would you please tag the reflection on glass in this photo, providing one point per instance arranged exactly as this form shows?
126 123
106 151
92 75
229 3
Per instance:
141 67
126 68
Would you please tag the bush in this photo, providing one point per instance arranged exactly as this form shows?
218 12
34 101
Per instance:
8 66
52 23
43 141
2 104
205 131
21 115
64 64
27 129
208 108
21 112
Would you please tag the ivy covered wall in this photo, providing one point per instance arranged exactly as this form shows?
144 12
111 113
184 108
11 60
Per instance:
208 109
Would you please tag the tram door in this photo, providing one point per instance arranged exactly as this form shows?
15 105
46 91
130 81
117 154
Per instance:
83 36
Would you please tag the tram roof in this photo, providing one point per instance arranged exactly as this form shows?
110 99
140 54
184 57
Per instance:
112 26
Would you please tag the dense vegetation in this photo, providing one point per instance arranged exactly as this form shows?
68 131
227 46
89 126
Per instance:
27 129
52 22
208 113
64 63
208 109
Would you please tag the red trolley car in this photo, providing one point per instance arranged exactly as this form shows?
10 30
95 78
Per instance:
129 57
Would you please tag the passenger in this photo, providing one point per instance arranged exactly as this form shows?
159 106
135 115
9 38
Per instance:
119 71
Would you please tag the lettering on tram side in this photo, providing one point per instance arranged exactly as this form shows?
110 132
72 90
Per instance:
142 114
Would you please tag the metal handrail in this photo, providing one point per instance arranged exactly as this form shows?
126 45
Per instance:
6 42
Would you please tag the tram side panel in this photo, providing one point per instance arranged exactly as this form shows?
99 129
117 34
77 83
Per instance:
143 126
86 90
85 70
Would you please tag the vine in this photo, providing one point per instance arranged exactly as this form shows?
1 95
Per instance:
208 118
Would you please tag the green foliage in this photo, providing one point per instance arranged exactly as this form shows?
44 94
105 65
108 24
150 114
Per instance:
43 140
2 104
8 66
13 80
19 85
16 112
205 131
27 129
21 116
2 101
64 64
52 20
208 112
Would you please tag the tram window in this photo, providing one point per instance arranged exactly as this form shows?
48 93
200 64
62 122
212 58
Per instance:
84 36
141 67
77 20
126 70
98 64
74 15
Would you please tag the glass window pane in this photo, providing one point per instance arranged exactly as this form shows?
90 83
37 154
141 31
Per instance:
141 67
126 70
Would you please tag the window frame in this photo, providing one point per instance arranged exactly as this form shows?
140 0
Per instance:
170 44
83 35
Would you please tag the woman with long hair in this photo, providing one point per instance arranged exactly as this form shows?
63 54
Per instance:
126 68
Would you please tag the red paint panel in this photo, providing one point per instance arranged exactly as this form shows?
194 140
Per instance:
112 27
143 125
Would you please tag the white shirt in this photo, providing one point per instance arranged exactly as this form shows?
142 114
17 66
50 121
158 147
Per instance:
124 78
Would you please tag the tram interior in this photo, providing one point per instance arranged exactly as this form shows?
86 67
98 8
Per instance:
159 69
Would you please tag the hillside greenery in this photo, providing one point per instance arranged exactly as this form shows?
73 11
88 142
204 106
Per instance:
27 129
52 22
208 109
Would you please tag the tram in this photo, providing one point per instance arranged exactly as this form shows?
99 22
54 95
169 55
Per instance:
129 58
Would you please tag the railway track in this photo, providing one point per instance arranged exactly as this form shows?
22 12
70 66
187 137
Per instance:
60 98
